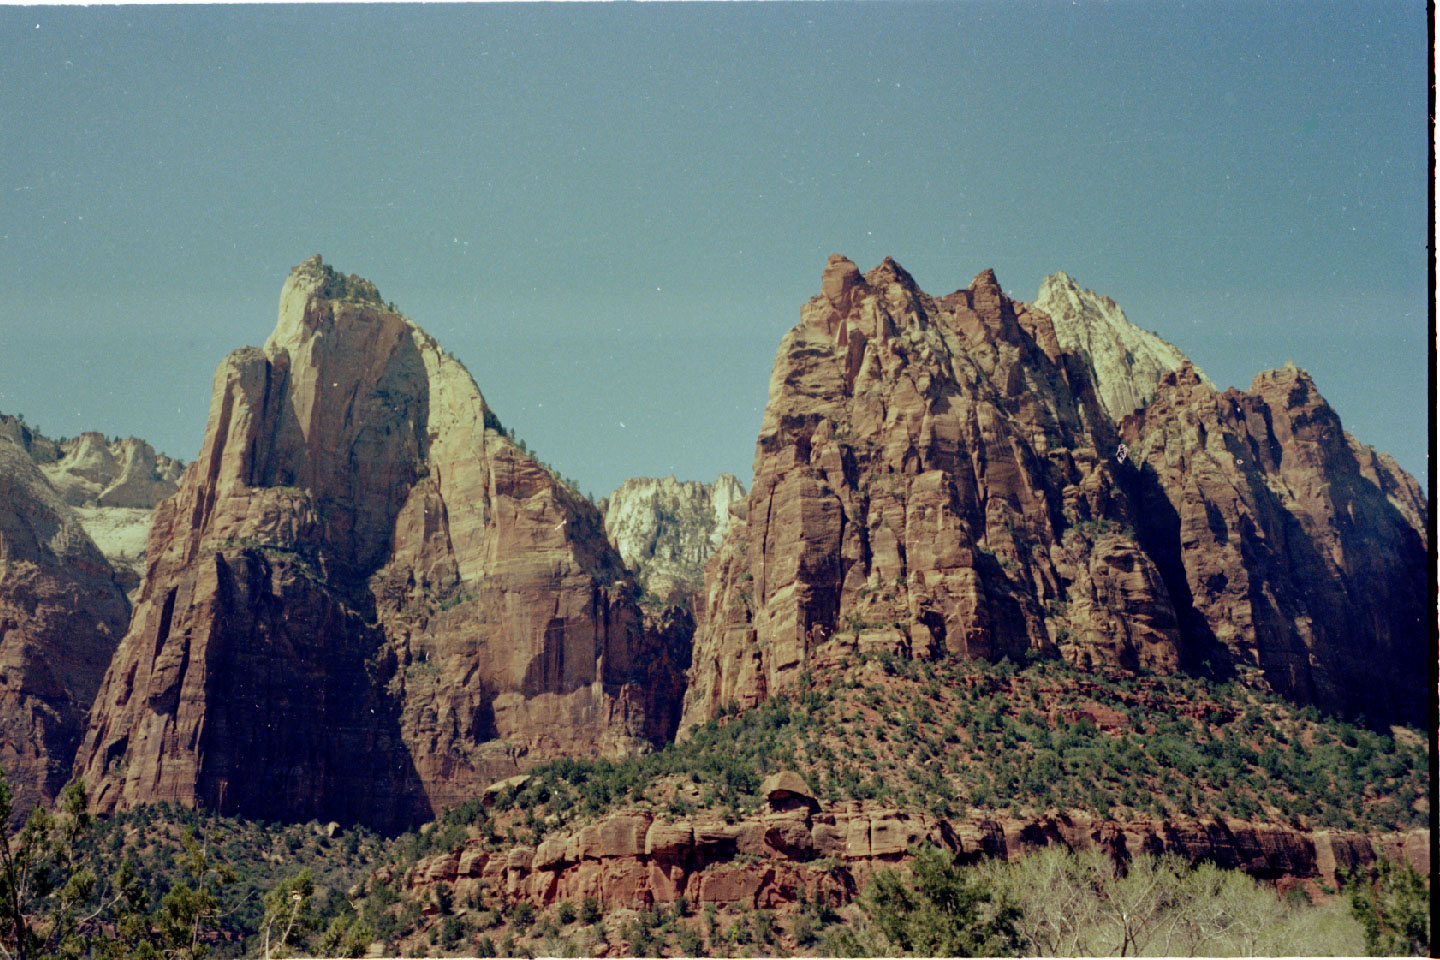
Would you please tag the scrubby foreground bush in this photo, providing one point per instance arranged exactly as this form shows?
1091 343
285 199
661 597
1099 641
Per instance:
1062 903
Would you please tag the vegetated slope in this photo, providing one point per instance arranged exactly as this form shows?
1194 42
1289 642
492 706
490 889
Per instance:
1044 739
985 760
61 615
367 601
995 761
938 477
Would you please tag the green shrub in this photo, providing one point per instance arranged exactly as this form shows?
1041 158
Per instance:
1394 911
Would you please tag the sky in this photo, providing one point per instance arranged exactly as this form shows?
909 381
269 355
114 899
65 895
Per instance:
611 213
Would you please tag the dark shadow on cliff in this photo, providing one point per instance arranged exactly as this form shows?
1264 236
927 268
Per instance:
1158 531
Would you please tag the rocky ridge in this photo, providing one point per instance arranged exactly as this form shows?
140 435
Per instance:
61 615
1128 362
363 581
939 477
795 852
113 487
933 477
1290 548
666 529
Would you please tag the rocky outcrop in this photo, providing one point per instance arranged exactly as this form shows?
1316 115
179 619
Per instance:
113 486
365 602
61 616
635 861
933 477
665 530
128 473
939 477
1127 362
1292 550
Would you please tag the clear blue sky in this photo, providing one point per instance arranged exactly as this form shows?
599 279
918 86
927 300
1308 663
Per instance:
611 213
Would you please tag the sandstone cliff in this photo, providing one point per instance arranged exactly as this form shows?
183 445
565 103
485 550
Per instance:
1291 549
666 530
933 477
113 487
773 860
61 616
94 472
1127 362
365 602
937 477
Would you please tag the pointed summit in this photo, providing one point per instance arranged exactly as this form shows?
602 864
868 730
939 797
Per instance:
364 549
985 280
1128 361
889 271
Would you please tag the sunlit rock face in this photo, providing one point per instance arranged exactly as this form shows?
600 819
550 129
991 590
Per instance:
365 603
667 529
941 477
1127 362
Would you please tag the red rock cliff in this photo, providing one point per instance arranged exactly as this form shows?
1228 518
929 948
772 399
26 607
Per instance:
933 477
61 615
1293 552
937 477
365 602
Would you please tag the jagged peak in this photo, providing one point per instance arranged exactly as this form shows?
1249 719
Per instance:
890 271
985 280
840 276
1289 374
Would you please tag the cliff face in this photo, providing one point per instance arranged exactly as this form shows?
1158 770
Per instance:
91 471
113 487
938 477
61 616
777 858
1292 550
666 530
933 477
1128 363
365 602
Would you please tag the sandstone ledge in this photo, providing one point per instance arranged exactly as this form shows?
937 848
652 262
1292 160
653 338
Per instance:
634 860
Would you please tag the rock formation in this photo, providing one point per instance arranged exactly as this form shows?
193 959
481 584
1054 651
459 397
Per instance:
939 477
1290 548
933 477
365 602
636 860
95 472
666 530
113 487
1127 362
61 615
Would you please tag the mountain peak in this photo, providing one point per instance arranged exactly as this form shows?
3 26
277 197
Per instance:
1129 362
985 279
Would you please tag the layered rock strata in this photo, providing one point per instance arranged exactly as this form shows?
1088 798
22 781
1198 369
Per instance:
773 860
62 614
1292 550
1127 362
933 477
940 477
365 602
665 530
